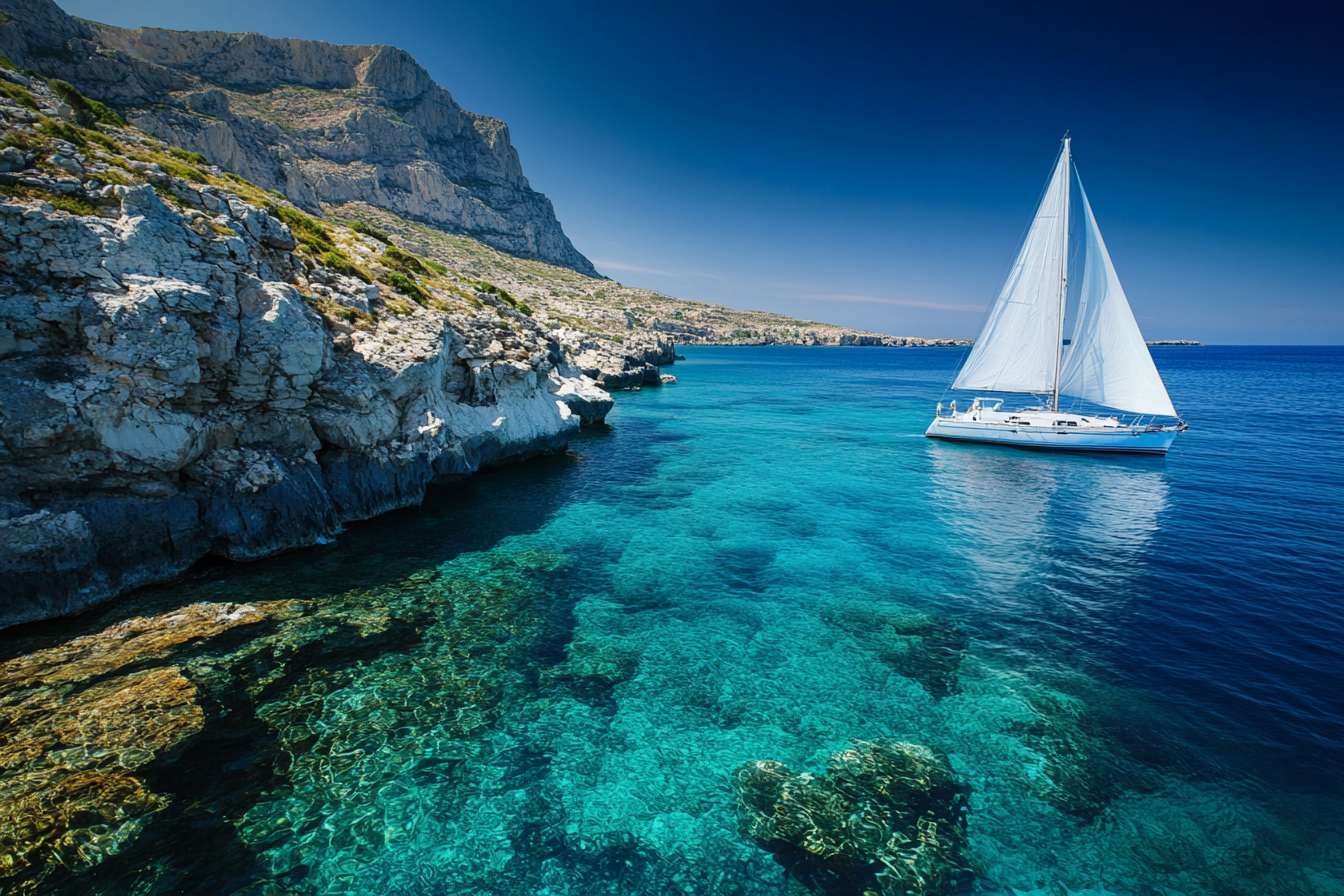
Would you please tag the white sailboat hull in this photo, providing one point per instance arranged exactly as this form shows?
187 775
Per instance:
1120 439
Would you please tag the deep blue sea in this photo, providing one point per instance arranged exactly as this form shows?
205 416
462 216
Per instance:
541 681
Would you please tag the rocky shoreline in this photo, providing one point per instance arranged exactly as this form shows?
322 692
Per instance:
619 321
183 375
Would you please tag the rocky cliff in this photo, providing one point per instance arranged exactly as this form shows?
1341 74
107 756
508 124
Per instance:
317 122
190 365
296 288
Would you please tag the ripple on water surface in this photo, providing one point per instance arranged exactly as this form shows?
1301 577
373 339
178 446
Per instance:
757 637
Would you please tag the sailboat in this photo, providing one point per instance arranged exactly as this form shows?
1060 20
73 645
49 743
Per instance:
1021 349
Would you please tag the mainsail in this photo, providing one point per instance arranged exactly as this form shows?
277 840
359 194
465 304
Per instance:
1018 347
1106 361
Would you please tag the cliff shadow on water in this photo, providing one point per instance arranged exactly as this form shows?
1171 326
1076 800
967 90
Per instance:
248 647
470 514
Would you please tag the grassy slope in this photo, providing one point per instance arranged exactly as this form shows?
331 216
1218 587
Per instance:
601 307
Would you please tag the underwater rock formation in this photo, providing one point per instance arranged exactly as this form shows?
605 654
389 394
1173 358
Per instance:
70 736
915 644
130 641
887 818
344 735
348 715
65 760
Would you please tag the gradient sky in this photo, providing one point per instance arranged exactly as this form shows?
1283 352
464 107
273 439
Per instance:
874 165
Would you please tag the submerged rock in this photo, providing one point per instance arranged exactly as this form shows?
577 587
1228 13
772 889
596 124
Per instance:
132 639
886 818
72 731
127 720
915 644
65 758
75 822
344 734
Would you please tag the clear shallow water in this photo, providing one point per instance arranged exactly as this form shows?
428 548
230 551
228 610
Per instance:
542 681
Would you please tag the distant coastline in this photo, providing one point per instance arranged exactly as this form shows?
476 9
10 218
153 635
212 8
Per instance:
847 340
1174 342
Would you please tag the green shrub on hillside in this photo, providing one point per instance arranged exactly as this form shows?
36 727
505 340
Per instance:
406 262
87 112
177 169
486 286
187 155
305 229
18 95
339 262
75 205
114 177
464 295
67 132
361 319
316 238
24 140
246 190
103 140
410 262
168 195
407 287
369 230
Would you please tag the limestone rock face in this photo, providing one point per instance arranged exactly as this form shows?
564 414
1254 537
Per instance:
361 123
176 380
631 364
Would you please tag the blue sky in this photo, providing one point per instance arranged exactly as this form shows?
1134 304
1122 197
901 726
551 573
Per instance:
875 164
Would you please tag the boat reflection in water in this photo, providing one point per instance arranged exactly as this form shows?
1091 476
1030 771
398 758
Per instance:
1053 541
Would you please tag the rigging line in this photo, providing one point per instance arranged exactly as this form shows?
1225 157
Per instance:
1064 275
1078 247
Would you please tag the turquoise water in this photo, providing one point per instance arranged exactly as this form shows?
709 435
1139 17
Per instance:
541 681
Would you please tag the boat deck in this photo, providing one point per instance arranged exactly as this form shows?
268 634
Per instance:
1051 430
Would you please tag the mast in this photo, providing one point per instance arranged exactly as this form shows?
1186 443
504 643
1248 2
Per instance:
1063 277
